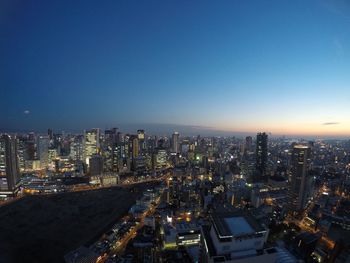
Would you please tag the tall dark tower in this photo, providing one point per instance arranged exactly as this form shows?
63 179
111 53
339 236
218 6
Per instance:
248 143
301 181
9 168
109 149
50 134
175 143
142 142
261 156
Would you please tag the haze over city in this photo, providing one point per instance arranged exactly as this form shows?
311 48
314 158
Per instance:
231 66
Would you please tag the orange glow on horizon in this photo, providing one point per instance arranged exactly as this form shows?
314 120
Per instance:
292 129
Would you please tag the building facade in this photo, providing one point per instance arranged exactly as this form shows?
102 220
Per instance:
261 156
9 166
301 182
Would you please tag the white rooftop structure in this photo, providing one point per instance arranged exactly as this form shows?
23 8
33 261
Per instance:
239 226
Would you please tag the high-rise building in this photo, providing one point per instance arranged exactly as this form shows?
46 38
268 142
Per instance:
124 143
91 143
21 151
9 168
160 157
134 147
175 146
141 134
50 134
301 182
142 141
65 146
77 148
96 165
30 147
184 146
248 143
109 147
43 151
261 156
52 157
134 150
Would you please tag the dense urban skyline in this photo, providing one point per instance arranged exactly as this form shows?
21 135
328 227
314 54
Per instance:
175 131
279 67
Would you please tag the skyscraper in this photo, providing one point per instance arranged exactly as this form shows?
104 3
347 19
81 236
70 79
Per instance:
142 142
9 168
91 143
175 143
141 134
95 165
160 157
77 148
248 143
300 185
50 134
133 150
134 147
261 156
30 147
43 150
109 146
21 151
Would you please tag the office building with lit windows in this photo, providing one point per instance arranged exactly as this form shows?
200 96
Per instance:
95 165
9 167
175 146
77 148
142 141
161 157
261 156
108 147
134 147
91 143
301 181
43 151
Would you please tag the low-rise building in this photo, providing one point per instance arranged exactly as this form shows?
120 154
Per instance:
235 237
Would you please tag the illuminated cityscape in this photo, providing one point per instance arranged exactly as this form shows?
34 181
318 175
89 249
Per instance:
175 131
189 198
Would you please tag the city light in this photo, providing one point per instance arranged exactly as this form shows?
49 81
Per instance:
175 131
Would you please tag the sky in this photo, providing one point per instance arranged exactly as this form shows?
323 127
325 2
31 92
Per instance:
235 66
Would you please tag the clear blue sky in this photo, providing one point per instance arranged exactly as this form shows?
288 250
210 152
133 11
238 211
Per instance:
279 66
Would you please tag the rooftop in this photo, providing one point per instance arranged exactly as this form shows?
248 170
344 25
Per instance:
238 226
235 223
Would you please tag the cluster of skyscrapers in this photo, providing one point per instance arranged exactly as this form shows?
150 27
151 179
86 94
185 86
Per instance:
94 153
239 185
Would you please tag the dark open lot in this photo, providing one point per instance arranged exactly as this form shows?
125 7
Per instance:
44 228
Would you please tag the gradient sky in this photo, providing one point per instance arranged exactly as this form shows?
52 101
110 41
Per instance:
276 66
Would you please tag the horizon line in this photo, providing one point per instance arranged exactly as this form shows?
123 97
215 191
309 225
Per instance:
194 129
